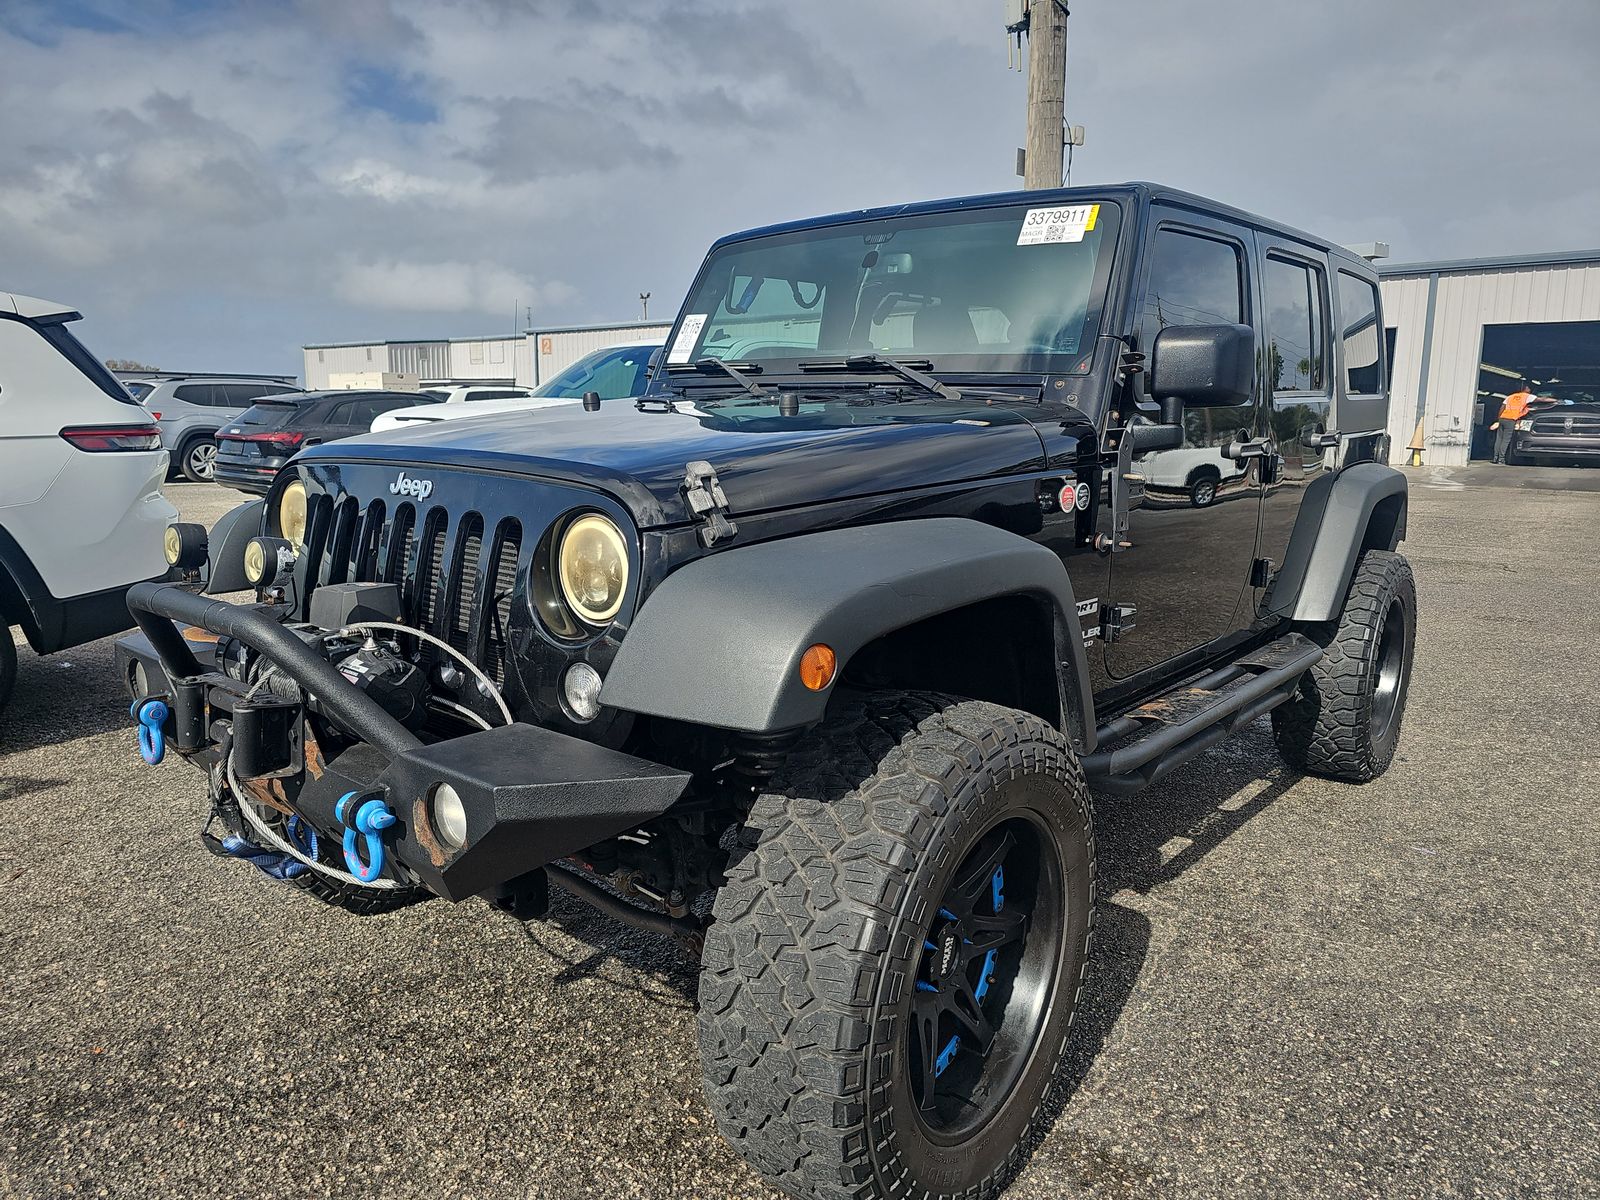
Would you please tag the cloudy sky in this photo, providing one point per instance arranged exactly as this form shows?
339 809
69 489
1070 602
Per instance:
215 184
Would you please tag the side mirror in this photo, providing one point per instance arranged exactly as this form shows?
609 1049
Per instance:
1203 366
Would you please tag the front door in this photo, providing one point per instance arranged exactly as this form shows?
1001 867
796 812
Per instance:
1186 572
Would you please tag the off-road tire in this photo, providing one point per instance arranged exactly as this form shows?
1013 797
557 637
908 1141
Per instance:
810 959
363 901
1335 725
186 464
8 664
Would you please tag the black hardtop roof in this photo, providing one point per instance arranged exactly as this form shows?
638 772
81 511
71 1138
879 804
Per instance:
1140 192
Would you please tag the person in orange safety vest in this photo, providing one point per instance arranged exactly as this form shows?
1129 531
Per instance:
1513 410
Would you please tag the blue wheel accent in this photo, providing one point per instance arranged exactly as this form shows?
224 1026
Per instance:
368 824
986 976
998 882
151 715
924 986
927 945
946 1055
947 914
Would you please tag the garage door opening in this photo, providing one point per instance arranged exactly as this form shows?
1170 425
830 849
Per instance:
1555 359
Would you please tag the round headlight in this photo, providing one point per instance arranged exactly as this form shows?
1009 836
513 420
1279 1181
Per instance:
593 568
292 514
449 816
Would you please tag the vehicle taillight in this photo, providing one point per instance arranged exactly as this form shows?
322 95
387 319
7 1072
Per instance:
156 415
280 441
97 438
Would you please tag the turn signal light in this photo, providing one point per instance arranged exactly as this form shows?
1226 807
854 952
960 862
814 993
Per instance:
817 666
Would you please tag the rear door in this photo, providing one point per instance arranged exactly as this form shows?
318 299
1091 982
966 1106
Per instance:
1296 310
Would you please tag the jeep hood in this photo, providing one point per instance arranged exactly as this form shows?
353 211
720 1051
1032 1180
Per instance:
764 461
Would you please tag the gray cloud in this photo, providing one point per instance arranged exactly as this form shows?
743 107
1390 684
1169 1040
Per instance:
204 190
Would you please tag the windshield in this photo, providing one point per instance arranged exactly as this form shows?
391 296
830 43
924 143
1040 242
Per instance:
614 373
1016 289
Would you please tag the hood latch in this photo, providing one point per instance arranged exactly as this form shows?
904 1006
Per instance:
703 491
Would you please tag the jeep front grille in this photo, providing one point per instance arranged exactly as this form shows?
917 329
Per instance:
456 575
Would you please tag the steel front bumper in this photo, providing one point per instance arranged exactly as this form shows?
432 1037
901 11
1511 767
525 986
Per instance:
531 795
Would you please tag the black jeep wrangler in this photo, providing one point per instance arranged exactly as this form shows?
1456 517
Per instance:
811 655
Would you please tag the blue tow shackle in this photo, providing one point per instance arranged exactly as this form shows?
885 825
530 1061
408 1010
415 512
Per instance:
368 820
151 716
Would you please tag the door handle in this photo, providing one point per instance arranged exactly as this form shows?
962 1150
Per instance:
1257 448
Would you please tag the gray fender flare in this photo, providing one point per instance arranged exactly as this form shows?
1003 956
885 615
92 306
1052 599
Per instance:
1362 507
719 642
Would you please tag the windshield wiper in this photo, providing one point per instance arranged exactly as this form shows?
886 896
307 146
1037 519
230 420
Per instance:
707 365
906 371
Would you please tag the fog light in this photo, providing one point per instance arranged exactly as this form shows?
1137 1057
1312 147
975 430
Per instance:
267 560
449 816
185 545
581 686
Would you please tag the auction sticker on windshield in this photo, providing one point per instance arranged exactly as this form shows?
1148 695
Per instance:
688 334
1067 223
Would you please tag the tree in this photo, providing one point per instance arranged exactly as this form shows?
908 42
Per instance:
128 364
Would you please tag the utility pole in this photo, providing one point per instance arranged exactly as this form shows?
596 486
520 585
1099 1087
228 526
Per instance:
1047 92
644 306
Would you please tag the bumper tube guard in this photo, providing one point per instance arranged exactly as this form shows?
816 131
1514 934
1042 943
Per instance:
368 820
152 716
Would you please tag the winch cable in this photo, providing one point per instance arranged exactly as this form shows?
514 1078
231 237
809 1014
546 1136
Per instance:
246 807
460 710
484 682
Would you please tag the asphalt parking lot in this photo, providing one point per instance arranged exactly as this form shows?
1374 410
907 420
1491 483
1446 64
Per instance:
1302 988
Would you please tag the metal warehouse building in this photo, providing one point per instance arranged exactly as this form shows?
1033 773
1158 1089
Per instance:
527 359
492 359
1464 334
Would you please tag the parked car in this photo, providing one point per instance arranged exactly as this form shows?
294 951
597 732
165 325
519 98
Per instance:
140 388
1563 426
1199 472
190 411
252 450
471 393
81 466
612 373
810 658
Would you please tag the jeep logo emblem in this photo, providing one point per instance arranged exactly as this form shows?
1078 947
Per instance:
420 488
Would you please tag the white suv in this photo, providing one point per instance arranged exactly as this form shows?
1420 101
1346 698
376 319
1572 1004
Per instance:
82 516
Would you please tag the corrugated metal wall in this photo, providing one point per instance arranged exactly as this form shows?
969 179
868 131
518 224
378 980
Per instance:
1466 301
483 358
324 361
554 350
425 360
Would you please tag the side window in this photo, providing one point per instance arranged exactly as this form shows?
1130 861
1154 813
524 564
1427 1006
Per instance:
368 410
1358 320
341 414
193 393
1194 280
1296 325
